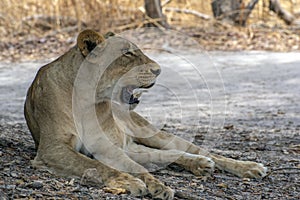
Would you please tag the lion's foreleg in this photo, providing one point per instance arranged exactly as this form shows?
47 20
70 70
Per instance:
167 141
246 169
120 160
62 159
163 140
195 163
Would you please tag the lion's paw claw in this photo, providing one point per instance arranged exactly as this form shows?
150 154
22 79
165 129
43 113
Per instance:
254 170
198 165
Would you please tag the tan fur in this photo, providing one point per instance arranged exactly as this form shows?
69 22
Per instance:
49 112
88 36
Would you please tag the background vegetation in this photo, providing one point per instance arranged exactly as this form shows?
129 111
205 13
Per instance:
23 22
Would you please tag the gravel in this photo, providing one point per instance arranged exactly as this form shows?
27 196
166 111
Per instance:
261 123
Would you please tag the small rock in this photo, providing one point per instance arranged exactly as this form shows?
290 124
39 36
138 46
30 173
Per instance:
36 185
19 182
13 174
23 195
222 185
245 180
34 177
10 187
3 196
77 189
39 195
71 182
229 127
285 152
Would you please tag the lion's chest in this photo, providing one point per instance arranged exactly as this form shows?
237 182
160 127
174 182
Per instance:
107 139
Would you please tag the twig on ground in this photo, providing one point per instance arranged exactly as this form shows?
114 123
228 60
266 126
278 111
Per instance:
222 196
165 3
227 177
281 169
186 11
185 195
155 21
176 174
140 24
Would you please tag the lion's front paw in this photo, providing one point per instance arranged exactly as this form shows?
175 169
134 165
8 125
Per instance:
135 186
250 169
158 190
198 164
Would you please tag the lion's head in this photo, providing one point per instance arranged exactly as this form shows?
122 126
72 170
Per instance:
123 66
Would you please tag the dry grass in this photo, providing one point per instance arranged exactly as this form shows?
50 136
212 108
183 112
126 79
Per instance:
33 29
260 14
29 16
36 17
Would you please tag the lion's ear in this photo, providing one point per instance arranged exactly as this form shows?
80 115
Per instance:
87 40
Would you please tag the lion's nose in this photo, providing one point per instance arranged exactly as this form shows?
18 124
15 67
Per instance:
155 72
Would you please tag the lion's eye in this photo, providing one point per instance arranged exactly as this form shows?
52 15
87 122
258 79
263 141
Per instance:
127 52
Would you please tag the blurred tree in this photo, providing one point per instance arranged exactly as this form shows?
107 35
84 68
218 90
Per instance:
154 10
237 12
275 6
233 10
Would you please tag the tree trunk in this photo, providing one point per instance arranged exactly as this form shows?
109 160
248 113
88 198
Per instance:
233 11
154 10
275 6
247 11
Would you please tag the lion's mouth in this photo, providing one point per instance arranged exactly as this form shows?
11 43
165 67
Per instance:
131 94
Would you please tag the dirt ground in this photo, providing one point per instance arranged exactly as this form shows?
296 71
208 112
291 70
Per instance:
212 36
261 122
237 99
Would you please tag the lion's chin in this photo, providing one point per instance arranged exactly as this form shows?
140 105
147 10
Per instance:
131 94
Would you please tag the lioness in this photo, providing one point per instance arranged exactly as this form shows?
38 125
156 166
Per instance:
68 142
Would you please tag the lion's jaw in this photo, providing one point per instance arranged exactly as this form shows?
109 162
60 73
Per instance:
130 71
129 87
